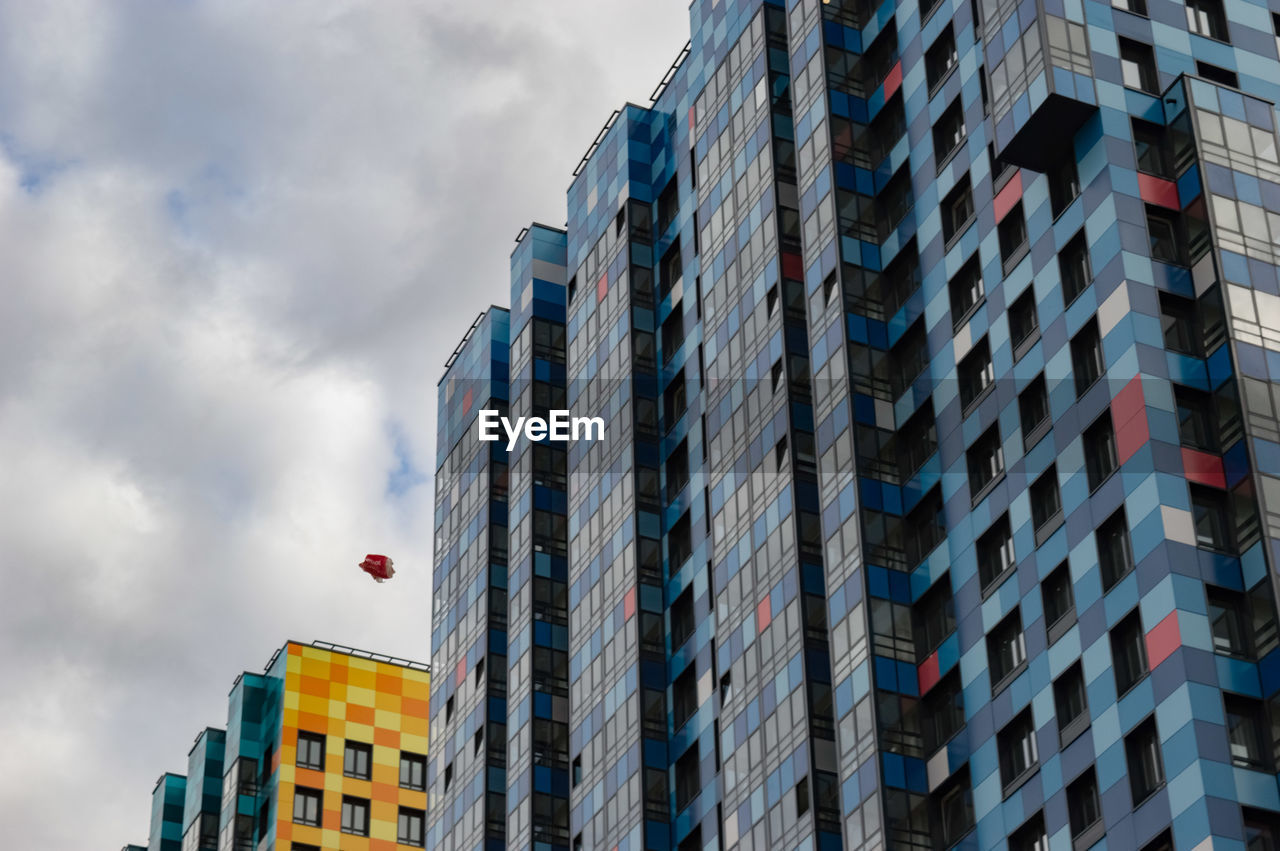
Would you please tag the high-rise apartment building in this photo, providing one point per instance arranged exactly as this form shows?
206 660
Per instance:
938 502
325 749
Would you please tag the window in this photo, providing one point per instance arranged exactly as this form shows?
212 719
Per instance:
940 58
966 291
1031 836
1115 555
934 616
1275 27
1086 357
976 374
943 711
310 750
1261 831
955 808
356 759
677 470
1046 505
1178 320
1100 451
1084 810
1146 771
1229 622
448 710
1006 651
1033 411
1162 232
1064 185
957 210
1196 422
683 621
948 133
1149 143
672 333
1013 236
688 781
413 771
671 269
1024 325
1206 18
1073 265
355 815
673 399
1138 66
986 462
1071 704
1246 733
684 694
1211 516
1163 842
995 553
926 527
307 806
1059 602
1017 743
409 830
1128 652
1137 7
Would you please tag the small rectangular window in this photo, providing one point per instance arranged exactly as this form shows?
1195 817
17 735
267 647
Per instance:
1012 232
948 133
957 210
1018 754
1178 320
1087 361
355 815
1071 703
1207 18
1031 836
1006 651
934 616
1128 652
357 760
1046 505
1059 602
1033 412
1074 267
1137 7
943 711
1024 324
1163 234
976 374
1150 143
413 771
1146 768
966 291
985 461
1211 515
307 806
310 750
1064 185
1247 733
940 58
1084 810
1100 455
1197 427
1229 622
1138 66
409 828
1115 554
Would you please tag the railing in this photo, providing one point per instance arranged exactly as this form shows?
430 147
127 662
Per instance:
604 131
671 72
376 657
465 337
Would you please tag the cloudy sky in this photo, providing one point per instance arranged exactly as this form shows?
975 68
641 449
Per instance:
239 241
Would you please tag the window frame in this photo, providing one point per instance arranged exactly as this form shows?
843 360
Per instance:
1068 688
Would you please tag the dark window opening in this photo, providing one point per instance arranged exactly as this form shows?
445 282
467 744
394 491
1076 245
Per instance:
1087 361
957 210
1046 505
976 374
1207 18
1138 66
1024 323
1128 652
1033 411
1018 754
1006 651
1064 186
966 291
995 552
1013 236
940 58
985 459
1074 267
1059 602
1115 553
1146 769
1071 704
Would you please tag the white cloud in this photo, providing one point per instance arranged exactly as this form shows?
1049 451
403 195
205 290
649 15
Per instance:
239 241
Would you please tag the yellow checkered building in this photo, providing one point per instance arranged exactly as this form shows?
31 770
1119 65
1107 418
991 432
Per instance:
326 749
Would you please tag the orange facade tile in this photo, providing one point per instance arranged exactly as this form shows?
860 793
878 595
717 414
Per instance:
383 736
360 714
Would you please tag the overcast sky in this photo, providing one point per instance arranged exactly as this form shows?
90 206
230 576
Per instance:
239 241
